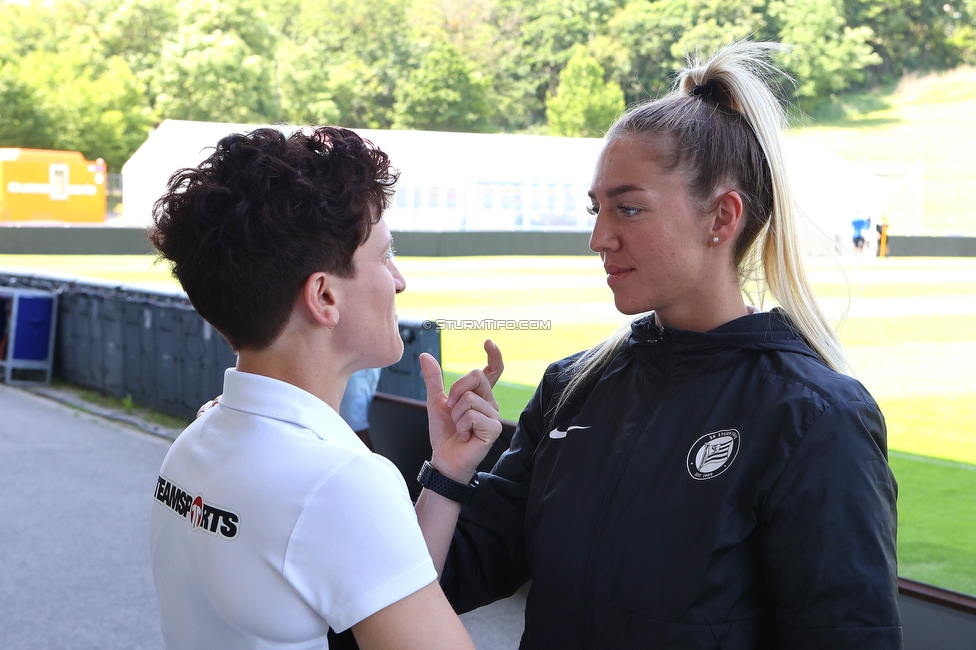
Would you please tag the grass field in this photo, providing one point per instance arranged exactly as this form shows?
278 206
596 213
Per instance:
909 336
929 119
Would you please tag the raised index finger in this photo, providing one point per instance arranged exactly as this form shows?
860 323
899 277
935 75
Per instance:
433 379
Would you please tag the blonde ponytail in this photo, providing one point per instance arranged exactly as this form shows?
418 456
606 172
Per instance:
723 122
745 69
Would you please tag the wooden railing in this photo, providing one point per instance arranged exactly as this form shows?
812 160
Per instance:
938 596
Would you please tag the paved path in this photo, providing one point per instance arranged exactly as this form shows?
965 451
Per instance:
74 543
74 537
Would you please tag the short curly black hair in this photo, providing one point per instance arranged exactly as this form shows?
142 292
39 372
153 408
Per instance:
245 229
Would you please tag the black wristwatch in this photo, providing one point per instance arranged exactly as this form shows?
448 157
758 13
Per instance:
436 482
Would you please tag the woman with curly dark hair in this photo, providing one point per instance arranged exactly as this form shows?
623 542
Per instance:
271 521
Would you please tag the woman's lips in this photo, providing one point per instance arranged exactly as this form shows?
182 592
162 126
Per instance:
616 274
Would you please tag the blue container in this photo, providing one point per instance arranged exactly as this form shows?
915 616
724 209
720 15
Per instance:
32 341
27 321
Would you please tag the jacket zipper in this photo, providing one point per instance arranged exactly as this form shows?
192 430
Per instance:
598 533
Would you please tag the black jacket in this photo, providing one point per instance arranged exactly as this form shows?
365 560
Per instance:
707 490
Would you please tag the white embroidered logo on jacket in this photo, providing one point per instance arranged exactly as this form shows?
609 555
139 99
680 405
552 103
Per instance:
556 434
712 454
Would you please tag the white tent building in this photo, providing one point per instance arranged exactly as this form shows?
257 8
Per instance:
448 181
470 181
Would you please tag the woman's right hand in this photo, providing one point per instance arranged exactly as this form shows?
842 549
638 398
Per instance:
464 424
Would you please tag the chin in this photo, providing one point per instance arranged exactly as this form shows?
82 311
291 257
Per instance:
394 356
628 309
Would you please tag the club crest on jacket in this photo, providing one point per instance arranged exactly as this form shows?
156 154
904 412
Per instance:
712 454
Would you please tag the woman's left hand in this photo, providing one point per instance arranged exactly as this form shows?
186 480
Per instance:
464 424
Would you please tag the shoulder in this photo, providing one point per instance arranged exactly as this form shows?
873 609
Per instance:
558 371
812 379
370 477
794 361
593 362
363 500
836 432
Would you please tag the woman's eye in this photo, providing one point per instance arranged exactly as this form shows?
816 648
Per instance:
390 253
628 210
592 210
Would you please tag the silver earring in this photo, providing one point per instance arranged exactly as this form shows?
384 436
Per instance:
714 240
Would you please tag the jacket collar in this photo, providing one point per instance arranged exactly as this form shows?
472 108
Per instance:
770 330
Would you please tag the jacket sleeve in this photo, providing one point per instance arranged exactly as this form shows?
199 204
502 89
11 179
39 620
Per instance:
488 558
829 536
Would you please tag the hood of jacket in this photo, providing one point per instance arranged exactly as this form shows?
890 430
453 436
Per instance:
761 331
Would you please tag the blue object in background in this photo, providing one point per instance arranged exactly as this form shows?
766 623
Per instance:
27 321
32 341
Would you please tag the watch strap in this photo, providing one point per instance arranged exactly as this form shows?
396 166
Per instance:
448 488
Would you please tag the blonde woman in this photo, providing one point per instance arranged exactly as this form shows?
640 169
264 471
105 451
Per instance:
710 477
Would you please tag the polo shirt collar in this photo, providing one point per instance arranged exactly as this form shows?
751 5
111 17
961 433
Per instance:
273 398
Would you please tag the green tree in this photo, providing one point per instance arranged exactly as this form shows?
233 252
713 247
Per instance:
647 41
62 87
96 110
548 32
24 28
489 34
443 94
909 34
306 95
219 66
352 53
963 36
23 123
827 55
584 105
137 29
109 113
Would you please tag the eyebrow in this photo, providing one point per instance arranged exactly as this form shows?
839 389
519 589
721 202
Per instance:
617 191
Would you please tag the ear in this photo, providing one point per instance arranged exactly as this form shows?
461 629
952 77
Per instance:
727 218
318 299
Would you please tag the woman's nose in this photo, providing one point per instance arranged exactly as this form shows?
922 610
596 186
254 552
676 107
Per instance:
602 238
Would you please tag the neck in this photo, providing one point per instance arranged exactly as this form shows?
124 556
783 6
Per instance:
287 360
702 318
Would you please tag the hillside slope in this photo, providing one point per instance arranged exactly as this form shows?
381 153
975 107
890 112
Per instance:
931 119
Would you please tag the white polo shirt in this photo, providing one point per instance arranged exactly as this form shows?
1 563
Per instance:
271 522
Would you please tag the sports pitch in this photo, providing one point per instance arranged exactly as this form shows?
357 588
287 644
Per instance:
908 334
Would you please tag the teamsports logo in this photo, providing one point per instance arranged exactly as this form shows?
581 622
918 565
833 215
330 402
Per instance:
712 454
201 515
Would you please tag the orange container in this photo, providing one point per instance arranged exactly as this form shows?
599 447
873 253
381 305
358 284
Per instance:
53 186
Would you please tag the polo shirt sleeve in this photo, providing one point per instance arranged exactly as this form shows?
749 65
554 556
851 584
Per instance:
357 547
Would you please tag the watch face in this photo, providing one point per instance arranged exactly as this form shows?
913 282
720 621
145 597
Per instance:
425 472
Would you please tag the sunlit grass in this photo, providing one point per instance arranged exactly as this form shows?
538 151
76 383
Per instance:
136 270
936 536
909 336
